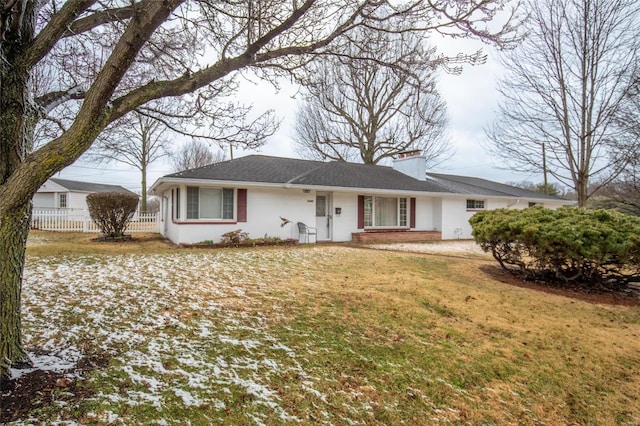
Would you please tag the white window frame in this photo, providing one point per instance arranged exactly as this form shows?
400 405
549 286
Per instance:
63 200
402 213
476 205
226 215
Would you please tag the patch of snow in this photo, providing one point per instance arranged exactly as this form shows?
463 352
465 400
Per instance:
188 399
184 327
46 363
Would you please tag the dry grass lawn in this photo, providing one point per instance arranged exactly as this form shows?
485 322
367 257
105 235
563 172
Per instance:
320 335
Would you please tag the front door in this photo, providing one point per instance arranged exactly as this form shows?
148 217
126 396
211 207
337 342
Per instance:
323 216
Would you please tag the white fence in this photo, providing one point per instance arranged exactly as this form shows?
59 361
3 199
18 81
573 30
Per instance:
80 221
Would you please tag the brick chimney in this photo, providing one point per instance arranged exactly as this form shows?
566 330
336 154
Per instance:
411 163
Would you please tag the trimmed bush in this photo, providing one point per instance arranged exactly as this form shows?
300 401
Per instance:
597 247
112 211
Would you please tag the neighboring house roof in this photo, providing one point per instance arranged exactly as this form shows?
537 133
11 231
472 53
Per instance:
278 170
78 186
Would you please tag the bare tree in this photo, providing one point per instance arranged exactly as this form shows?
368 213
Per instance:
623 195
195 154
360 108
563 90
543 188
107 58
136 140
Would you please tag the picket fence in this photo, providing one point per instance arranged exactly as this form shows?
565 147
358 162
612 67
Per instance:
80 221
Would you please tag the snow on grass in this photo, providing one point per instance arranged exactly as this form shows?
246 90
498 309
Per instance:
58 364
184 329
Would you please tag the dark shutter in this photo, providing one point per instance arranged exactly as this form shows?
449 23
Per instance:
242 205
412 213
360 211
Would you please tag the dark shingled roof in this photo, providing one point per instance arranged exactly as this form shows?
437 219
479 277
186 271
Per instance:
73 185
351 175
278 170
473 185
253 168
265 169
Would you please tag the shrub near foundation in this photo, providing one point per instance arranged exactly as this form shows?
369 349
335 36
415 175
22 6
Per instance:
112 211
596 247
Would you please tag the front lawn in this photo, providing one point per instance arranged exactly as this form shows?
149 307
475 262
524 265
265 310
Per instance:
315 335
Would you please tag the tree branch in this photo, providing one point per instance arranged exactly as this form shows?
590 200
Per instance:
94 114
97 19
54 30
49 101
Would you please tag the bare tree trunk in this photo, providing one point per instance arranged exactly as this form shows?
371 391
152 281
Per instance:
143 202
16 132
14 228
582 188
544 169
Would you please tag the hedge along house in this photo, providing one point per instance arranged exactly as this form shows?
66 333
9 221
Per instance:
63 194
265 195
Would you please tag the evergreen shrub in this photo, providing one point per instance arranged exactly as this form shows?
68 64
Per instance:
596 247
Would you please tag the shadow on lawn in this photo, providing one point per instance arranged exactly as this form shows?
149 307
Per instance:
629 296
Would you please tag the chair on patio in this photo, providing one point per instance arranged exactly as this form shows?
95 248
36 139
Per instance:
306 231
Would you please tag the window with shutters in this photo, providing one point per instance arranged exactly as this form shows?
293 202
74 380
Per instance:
385 212
210 203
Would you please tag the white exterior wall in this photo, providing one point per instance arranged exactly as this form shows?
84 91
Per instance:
456 216
437 214
44 200
264 209
51 200
424 214
455 219
76 200
265 206
347 222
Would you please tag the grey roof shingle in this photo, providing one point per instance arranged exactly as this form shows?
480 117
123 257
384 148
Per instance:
73 185
473 185
351 175
278 170
265 169
253 168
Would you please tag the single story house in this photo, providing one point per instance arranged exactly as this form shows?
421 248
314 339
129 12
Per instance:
60 194
264 195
